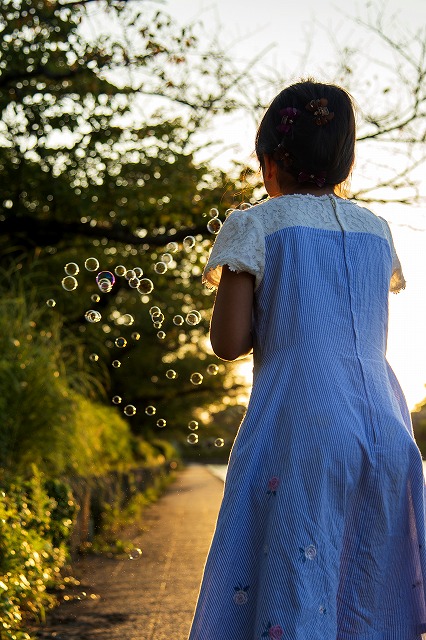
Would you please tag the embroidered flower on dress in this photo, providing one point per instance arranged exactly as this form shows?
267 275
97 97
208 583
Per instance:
240 595
273 486
307 553
274 632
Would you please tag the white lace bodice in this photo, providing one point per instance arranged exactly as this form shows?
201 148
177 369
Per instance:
241 241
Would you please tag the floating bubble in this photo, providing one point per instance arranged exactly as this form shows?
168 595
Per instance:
212 369
130 274
135 554
135 335
160 268
154 310
145 286
129 410
95 297
92 316
167 258
157 325
150 410
92 264
116 399
171 374
158 316
105 281
193 318
214 225
161 335
189 243
94 357
120 342
193 425
219 442
127 319
161 423
69 283
196 378
71 269
134 282
245 205
178 320
116 364
51 302
172 247
138 272
213 213
228 212
192 438
120 270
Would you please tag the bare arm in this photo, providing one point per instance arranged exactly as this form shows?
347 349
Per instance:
230 329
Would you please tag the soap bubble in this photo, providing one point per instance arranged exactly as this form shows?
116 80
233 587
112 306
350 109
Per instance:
157 325
178 320
127 319
116 364
245 205
71 269
51 302
69 283
105 281
138 272
193 318
92 316
228 212
161 335
214 225
130 274
189 243
196 378
145 286
135 335
92 264
129 410
134 282
212 369
219 442
213 213
116 399
150 410
161 423
120 342
172 247
193 425
95 297
154 310
158 316
160 268
94 357
171 374
166 258
192 438
135 554
120 270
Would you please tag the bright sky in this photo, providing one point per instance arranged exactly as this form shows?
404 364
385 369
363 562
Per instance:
299 39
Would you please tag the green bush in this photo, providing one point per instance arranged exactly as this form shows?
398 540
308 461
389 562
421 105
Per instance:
36 518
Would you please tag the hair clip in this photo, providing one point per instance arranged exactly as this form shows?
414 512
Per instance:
320 110
288 116
317 178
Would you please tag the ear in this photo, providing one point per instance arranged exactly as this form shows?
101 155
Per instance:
269 168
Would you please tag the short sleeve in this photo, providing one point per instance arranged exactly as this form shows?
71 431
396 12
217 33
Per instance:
240 244
397 282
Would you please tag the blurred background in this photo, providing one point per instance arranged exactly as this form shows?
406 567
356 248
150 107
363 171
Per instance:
126 137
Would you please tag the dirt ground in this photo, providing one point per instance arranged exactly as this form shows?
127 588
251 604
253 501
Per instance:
150 597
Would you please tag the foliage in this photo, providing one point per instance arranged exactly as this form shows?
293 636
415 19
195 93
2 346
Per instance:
36 517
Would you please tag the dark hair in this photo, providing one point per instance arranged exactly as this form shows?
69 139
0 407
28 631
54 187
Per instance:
328 149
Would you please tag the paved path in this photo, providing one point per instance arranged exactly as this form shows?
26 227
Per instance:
153 597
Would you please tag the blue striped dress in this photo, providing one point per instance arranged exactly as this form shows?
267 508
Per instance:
321 532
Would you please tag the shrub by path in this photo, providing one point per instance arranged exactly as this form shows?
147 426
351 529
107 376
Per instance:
153 597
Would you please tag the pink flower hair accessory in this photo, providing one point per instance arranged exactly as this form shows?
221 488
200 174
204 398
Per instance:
320 111
288 117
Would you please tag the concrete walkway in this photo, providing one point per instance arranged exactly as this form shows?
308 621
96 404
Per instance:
153 597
